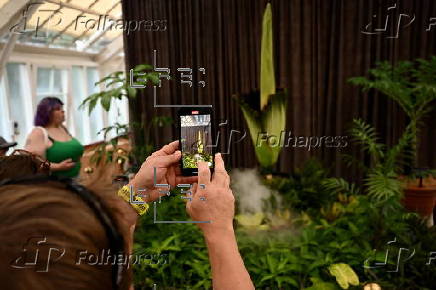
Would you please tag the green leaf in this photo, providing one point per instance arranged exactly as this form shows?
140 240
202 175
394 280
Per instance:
106 103
104 79
143 67
344 274
319 284
267 75
85 101
113 82
92 104
383 186
274 122
154 77
262 125
250 219
267 277
365 135
131 92
288 280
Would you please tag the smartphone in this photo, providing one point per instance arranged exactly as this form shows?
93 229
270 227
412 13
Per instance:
195 139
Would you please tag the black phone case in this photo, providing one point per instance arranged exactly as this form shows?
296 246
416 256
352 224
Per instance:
187 111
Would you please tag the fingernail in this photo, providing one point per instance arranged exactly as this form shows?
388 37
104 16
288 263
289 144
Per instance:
178 152
218 154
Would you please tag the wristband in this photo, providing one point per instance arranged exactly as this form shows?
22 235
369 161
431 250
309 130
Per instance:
124 193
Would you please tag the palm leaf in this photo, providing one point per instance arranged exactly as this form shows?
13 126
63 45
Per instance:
365 134
383 186
340 185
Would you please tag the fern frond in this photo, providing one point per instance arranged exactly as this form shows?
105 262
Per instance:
383 186
365 135
349 160
402 152
340 185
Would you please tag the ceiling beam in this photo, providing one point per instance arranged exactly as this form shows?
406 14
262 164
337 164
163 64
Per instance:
9 46
29 36
42 50
96 36
70 24
114 48
10 14
10 9
76 7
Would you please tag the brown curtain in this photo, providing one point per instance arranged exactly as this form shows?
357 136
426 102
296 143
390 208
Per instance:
318 45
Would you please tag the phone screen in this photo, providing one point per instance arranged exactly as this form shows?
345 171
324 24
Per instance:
195 139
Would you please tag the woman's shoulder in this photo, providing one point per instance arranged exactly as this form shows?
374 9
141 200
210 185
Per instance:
36 137
37 132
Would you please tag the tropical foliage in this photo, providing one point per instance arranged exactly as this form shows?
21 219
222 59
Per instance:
382 177
338 235
118 86
101 154
412 85
318 250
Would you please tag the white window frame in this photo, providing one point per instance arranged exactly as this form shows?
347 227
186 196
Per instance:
27 110
28 79
7 126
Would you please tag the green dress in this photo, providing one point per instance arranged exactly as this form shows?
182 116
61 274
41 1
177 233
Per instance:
60 151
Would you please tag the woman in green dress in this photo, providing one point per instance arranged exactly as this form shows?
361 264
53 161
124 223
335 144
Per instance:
51 140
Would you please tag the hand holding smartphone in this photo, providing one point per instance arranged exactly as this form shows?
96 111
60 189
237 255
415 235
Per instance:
195 139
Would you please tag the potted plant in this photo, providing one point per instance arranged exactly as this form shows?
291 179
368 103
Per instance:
382 176
117 86
420 198
413 86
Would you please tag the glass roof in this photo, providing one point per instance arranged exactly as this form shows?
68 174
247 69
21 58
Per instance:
83 25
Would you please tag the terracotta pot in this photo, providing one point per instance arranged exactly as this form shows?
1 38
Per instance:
420 199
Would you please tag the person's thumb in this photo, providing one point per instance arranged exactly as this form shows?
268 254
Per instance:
194 188
189 208
165 161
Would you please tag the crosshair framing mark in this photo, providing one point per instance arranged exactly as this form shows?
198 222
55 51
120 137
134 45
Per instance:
155 94
202 186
